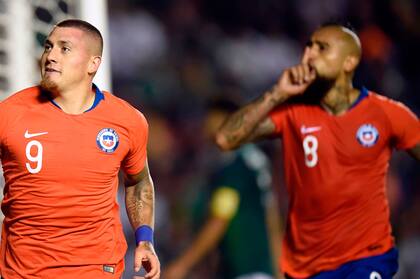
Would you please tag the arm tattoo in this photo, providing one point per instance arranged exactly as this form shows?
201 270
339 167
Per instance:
243 125
236 122
139 199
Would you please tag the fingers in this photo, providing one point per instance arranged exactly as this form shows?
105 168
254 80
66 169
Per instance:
305 56
154 271
301 74
137 263
149 261
151 265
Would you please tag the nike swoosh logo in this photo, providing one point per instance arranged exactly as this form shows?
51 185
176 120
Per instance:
307 130
28 135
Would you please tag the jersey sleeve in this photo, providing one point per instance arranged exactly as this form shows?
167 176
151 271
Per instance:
405 125
136 158
278 116
5 119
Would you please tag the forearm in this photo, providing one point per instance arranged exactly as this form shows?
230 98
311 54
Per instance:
140 205
239 127
207 239
139 200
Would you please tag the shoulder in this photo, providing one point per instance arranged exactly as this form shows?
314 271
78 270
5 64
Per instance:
286 109
26 96
21 101
16 105
118 103
133 119
389 106
125 109
296 108
293 111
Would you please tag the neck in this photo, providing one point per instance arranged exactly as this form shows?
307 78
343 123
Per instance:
75 100
339 98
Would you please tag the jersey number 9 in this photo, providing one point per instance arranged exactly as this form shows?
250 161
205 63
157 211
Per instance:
37 159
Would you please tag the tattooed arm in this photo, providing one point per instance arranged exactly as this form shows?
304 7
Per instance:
251 122
140 206
248 123
139 198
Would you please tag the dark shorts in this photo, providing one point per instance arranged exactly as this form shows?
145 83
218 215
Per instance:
377 267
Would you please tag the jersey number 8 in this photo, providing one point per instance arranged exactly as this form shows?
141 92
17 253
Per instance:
310 146
34 159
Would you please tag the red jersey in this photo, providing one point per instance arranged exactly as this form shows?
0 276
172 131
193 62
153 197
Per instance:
61 174
335 168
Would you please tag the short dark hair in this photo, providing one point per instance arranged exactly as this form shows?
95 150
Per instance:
84 26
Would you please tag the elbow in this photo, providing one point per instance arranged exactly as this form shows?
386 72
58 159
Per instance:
223 143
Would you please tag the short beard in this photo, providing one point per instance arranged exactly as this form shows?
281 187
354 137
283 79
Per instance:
315 92
49 85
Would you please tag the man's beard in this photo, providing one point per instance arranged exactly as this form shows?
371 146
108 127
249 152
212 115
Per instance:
315 91
48 85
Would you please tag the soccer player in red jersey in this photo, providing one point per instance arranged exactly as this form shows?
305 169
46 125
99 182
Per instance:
62 146
337 142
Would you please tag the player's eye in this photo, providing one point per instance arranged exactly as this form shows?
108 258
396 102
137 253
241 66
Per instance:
47 47
65 49
323 47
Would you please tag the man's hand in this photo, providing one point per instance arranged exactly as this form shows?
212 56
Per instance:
146 257
294 81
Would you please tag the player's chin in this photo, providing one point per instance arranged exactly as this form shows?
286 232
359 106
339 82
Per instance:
326 75
48 84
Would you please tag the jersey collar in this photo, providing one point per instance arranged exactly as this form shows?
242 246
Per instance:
363 94
99 96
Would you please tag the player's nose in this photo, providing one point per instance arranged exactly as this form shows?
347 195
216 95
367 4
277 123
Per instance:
309 54
52 55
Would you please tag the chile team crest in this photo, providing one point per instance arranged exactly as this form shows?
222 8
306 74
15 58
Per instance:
367 135
107 140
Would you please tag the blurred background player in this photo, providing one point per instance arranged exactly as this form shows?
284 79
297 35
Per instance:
337 143
62 145
242 217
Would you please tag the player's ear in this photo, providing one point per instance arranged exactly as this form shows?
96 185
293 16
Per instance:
350 63
94 63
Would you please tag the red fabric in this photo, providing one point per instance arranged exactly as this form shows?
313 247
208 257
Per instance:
338 210
65 213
